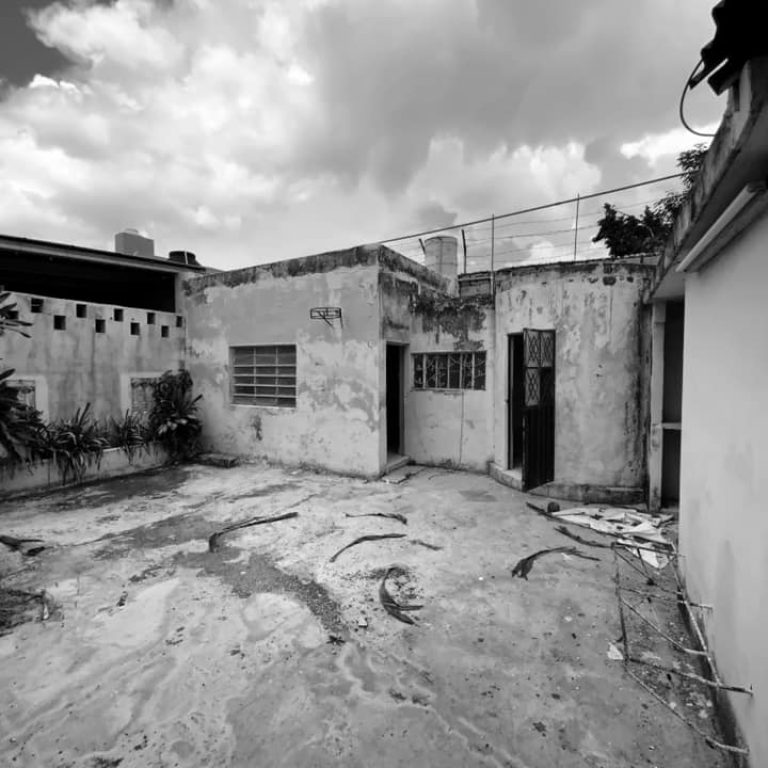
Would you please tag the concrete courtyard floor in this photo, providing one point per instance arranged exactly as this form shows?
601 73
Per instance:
263 653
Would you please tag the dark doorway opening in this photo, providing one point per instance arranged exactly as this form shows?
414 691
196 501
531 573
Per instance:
515 401
538 407
672 404
394 396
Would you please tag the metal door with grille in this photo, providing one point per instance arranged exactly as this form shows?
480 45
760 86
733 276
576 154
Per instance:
538 407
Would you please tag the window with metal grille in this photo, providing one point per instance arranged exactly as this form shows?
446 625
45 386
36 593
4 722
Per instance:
264 375
143 396
25 391
449 370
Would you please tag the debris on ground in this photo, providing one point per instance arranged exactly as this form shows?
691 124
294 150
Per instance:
575 536
369 537
391 515
426 544
27 547
639 532
122 600
223 460
14 607
617 521
614 654
213 541
391 606
523 567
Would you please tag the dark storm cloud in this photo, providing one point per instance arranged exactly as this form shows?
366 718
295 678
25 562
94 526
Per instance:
394 75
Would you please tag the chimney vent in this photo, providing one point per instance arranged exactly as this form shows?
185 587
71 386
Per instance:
130 243
441 256
183 257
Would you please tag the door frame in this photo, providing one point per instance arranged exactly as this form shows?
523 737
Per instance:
401 359
539 358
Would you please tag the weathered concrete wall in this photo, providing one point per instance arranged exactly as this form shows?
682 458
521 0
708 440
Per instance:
600 388
723 521
449 427
335 423
45 475
77 365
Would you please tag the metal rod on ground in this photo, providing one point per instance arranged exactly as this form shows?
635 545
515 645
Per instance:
576 228
691 676
712 742
464 241
695 624
624 638
661 632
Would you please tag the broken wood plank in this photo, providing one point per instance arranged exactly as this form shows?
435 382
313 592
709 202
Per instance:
370 537
523 567
391 515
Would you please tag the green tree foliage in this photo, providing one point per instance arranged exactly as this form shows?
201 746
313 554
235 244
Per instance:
625 234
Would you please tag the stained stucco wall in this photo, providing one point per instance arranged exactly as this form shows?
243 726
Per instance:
600 329
442 427
723 520
77 365
335 423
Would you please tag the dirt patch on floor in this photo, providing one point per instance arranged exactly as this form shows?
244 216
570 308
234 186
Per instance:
259 574
178 529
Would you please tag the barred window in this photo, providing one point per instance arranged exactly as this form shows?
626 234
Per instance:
143 396
264 375
449 370
25 391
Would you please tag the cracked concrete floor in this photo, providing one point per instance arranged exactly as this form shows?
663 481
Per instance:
163 654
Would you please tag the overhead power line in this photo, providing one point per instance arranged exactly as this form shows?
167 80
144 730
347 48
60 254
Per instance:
591 196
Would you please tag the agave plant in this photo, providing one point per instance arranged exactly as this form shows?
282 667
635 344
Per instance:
173 421
75 444
130 433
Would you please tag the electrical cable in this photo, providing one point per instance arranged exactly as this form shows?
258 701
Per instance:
681 109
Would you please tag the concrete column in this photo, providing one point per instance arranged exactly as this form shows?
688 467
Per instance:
656 437
442 257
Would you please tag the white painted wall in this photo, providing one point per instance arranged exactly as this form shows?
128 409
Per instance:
76 366
724 473
596 313
335 423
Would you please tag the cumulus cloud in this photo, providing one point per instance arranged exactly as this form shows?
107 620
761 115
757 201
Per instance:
253 130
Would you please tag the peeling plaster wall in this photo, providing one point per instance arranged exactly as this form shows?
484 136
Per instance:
600 385
723 521
335 423
442 427
76 366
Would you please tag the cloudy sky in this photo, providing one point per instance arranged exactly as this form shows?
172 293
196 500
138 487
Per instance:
255 130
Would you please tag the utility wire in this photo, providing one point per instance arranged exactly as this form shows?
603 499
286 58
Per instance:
591 196
681 109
